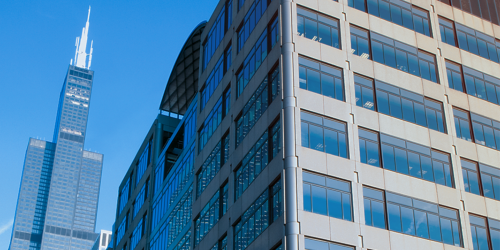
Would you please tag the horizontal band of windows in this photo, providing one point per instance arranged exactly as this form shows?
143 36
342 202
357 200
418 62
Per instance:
473 82
486 131
398 12
481 179
405 157
321 78
412 216
324 134
482 9
323 245
250 21
213 163
318 27
71 137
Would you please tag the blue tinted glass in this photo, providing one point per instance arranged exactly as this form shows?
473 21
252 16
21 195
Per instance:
368 212
487 186
482 239
395 106
408 221
385 12
373 7
388 157
378 214
327 85
480 89
495 239
408 113
363 48
394 217
478 133
469 84
368 101
390 56
319 200
414 165
496 187
300 25
413 65
302 77
472 43
446 231
438 172
360 5
383 102
402 60
462 40
419 24
421 224
313 82
331 142
434 228
378 52
465 130
305 134
425 70
359 102
483 48
491 93
342 145
489 137
311 28
316 137
407 19
346 206
396 14
325 35
339 89
373 154
420 116
334 204
401 161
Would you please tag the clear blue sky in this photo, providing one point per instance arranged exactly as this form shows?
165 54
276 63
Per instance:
136 44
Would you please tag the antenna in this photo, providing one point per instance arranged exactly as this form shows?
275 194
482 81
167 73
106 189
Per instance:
71 61
82 55
91 50
76 44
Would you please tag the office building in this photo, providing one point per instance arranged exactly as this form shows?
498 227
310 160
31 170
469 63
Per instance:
59 191
349 124
103 240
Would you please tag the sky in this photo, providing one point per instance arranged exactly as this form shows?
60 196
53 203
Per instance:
136 44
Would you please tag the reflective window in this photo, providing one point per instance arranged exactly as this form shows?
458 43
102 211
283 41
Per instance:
410 106
471 176
144 161
360 44
483 9
480 230
190 124
178 221
374 202
250 21
447 30
324 134
177 178
217 32
212 82
365 94
490 177
214 162
476 83
411 216
140 198
138 232
398 12
214 119
257 159
369 147
318 27
403 57
120 232
327 196
210 214
419 161
321 78
257 55
486 131
478 43
462 124
124 195
258 216
265 94
311 244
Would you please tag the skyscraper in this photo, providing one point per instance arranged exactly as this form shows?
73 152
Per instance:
323 124
57 203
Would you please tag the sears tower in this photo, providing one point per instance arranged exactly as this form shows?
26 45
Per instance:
59 191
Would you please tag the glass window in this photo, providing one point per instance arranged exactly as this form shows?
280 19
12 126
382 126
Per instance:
462 124
214 118
479 230
217 32
398 12
416 217
490 177
324 134
265 94
477 84
471 176
327 196
364 92
250 21
454 72
486 131
477 43
143 162
415 160
369 147
447 30
360 44
374 202
321 78
258 216
409 59
210 214
257 55
213 163
311 244
318 27
410 106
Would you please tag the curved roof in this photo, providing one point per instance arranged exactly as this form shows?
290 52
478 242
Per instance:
182 84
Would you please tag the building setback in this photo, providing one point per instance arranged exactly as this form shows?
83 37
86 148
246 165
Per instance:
59 191
317 124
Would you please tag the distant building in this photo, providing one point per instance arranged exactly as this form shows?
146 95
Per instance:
103 240
59 191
